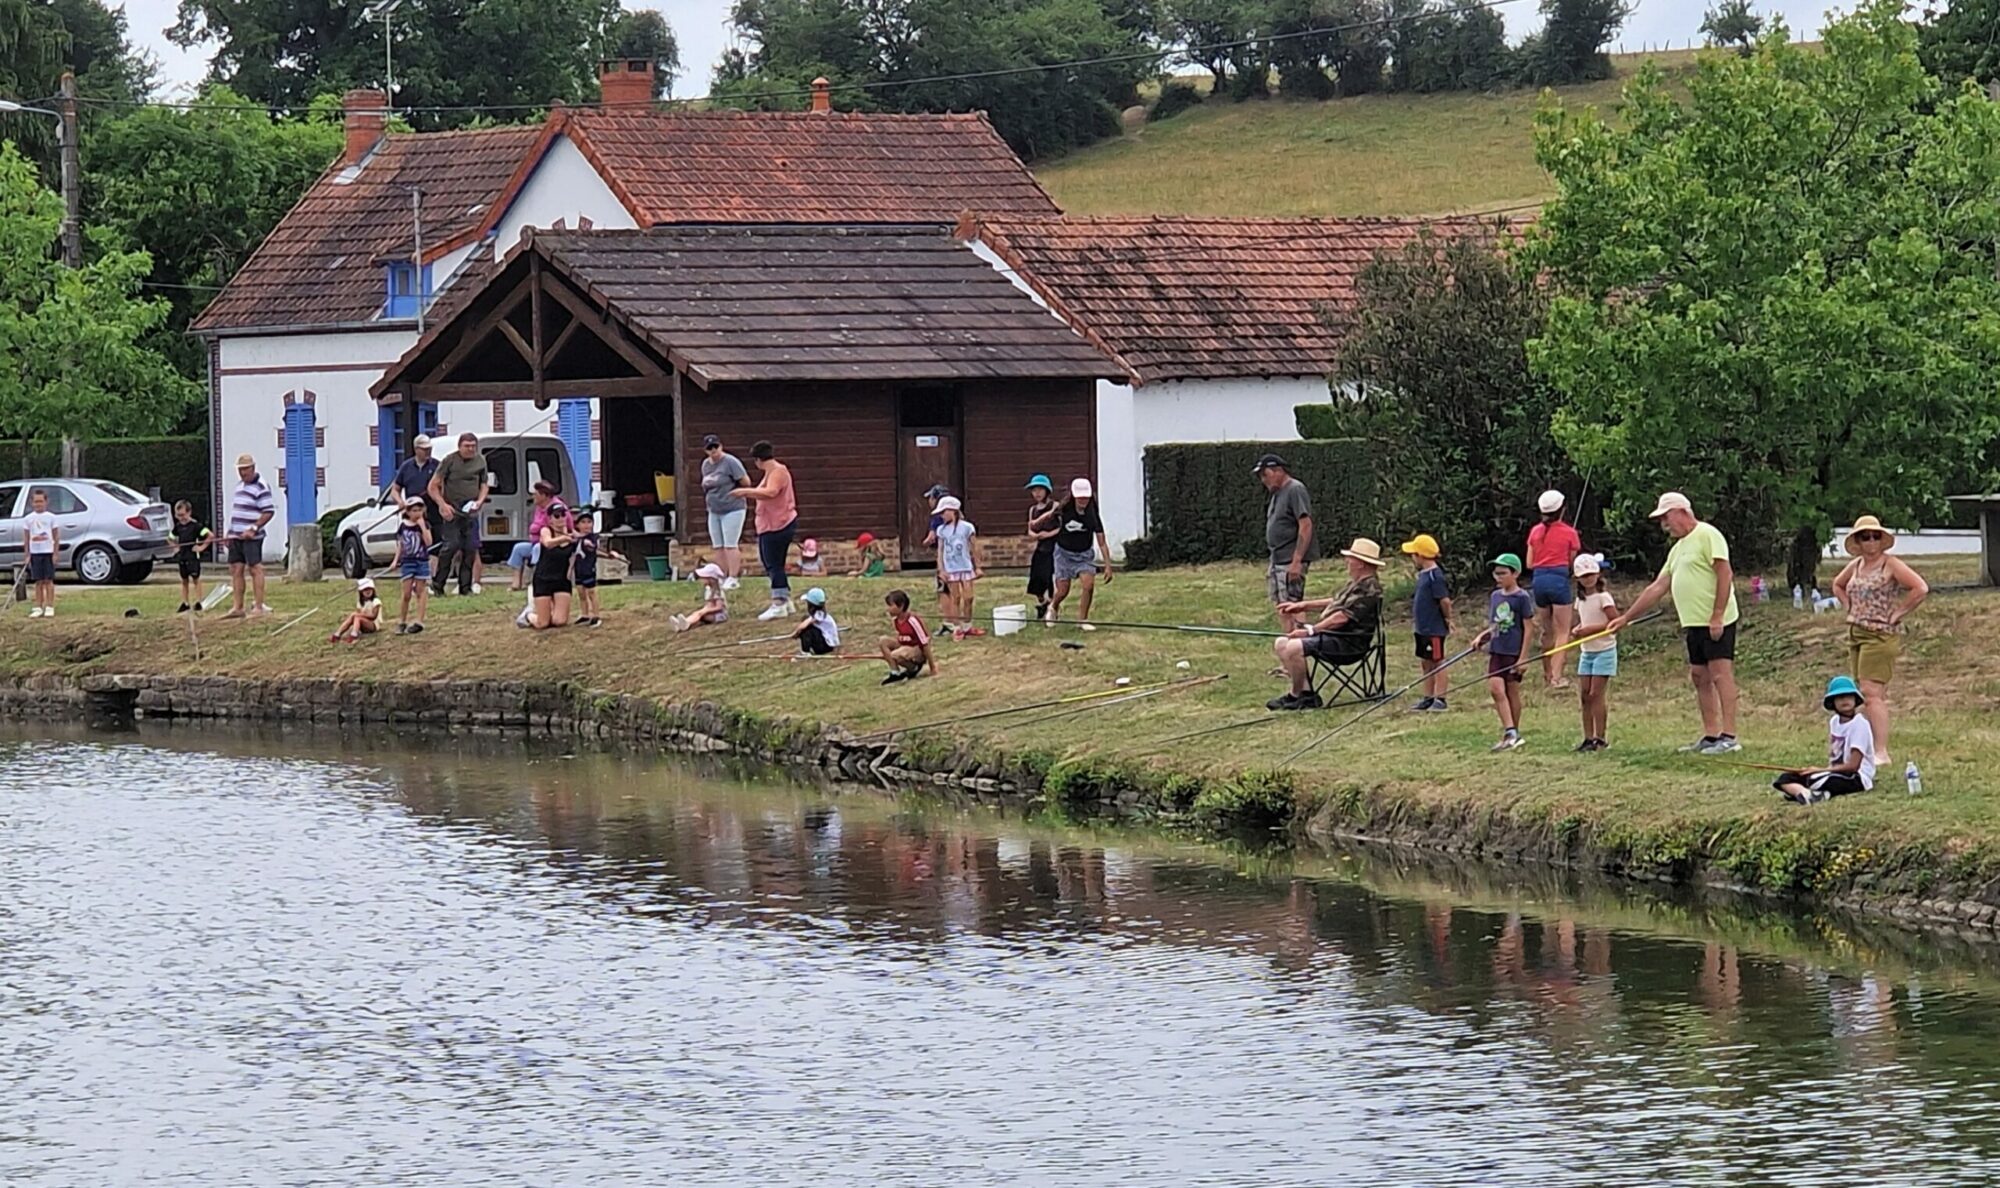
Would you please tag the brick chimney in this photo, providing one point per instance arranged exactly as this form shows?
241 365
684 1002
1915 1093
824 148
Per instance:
626 83
822 95
363 113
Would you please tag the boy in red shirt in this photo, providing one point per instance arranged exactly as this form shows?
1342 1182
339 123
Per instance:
908 652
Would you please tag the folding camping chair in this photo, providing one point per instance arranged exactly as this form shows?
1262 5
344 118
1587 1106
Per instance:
1359 680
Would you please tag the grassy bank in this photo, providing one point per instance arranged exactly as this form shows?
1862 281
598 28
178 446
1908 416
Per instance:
1371 155
1641 803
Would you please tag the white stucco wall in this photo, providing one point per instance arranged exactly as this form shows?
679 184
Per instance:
1130 419
339 368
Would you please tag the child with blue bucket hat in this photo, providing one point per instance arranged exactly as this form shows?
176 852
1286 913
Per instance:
1850 751
818 634
1042 566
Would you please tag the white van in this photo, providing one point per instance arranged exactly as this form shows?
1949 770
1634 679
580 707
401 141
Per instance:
366 538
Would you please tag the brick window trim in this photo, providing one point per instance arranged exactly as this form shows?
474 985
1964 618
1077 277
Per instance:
375 476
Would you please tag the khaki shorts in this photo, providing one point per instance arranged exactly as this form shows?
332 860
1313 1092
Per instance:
901 654
1871 654
1280 586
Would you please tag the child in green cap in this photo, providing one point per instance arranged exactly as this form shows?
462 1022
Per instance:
1850 751
1509 610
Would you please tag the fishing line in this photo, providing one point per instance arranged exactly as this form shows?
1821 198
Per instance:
1018 709
1527 660
1387 698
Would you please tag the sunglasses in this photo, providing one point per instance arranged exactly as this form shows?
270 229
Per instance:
1868 536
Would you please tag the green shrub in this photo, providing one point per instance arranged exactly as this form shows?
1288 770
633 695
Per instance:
1325 419
1175 98
1204 504
328 540
1258 802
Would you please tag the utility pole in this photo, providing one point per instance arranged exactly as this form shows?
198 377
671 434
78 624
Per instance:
417 253
72 224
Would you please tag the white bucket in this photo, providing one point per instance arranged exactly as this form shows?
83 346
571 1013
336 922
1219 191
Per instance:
656 525
1009 619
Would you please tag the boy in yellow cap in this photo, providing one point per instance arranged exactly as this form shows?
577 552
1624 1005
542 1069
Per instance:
1431 611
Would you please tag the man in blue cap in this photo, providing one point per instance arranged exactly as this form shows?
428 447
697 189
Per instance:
1850 751
1042 566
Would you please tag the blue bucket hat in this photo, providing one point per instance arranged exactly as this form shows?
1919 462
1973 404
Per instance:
1841 686
815 597
1042 481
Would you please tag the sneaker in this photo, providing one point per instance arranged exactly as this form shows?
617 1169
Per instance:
1424 706
416 629
1818 796
1726 745
232 614
182 609
402 629
1438 706
334 638
522 619
911 674
1585 747
730 583
49 612
1699 746
34 612
680 622
1599 744
896 677
1283 702
1508 742
477 588
777 610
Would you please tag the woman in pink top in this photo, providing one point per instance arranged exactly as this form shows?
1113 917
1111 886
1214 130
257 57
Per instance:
1552 548
777 516
548 502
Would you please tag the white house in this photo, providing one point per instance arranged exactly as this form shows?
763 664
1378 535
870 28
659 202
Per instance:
339 290
1224 326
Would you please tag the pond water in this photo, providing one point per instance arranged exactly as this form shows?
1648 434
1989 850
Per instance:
293 959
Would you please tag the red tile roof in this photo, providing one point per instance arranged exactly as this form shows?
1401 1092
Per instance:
738 304
1199 298
324 262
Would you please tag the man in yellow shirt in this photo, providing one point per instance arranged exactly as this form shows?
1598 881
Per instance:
1698 575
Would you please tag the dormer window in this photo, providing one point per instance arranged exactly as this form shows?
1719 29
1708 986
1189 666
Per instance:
409 290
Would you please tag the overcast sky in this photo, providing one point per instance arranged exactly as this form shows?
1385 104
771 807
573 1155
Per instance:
702 26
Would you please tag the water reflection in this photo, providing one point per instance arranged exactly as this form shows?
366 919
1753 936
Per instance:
279 960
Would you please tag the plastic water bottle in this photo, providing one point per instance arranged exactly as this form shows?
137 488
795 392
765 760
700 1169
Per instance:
1798 598
1913 779
1815 599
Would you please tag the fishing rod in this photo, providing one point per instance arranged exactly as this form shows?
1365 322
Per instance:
1204 732
1018 709
741 643
1287 760
1190 628
1142 694
1764 766
1527 660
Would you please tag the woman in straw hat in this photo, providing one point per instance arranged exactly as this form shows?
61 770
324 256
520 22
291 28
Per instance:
1879 591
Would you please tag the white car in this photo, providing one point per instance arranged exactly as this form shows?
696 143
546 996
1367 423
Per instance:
107 531
366 536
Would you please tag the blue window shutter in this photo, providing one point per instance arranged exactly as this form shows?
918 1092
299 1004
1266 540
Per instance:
301 464
388 440
573 426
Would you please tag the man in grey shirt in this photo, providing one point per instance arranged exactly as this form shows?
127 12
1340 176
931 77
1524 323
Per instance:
1288 532
721 476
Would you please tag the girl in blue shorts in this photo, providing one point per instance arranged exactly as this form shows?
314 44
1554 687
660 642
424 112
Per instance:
413 565
1599 660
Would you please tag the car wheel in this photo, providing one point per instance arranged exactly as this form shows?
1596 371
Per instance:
97 564
134 573
353 558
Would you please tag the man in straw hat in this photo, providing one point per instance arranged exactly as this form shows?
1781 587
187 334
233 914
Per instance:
251 506
1343 631
1879 591
1698 575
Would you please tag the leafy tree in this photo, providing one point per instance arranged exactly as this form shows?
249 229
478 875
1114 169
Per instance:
1458 46
1205 29
646 34
1438 365
875 50
1778 293
522 54
1961 41
1570 47
99 50
75 339
1732 22
200 188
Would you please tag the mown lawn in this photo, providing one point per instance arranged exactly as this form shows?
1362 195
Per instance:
1371 155
1947 693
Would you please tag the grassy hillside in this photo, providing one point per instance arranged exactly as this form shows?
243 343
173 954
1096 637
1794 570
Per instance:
1375 155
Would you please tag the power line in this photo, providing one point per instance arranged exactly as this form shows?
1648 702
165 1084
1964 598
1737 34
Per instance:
876 85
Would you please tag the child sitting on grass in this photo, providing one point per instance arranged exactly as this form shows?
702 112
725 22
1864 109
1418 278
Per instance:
1850 751
1508 611
364 619
192 538
714 604
810 562
413 565
908 651
871 559
1597 661
817 633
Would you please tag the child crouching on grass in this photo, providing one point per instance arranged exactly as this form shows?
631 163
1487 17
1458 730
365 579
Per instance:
1509 609
1850 751
907 652
413 565
364 619
1597 662
817 633
714 604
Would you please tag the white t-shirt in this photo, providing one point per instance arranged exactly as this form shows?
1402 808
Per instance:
827 627
1593 614
370 609
41 528
1855 734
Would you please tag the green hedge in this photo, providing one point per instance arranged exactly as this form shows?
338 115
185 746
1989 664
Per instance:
178 466
1204 504
1321 420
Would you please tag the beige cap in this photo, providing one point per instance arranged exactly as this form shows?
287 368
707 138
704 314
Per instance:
1551 502
423 441
1671 501
243 460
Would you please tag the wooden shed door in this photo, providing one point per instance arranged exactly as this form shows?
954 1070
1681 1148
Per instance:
929 457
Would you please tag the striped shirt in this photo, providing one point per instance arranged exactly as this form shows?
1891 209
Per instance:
249 501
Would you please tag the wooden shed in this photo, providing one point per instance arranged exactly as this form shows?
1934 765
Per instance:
877 360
